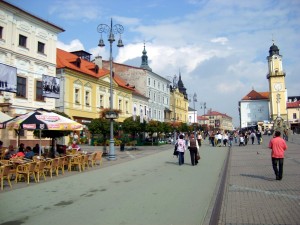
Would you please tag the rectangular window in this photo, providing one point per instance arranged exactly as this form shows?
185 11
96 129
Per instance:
153 83
77 95
154 97
149 82
101 101
294 116
22 41
21 87
41 47
158 84
145 110
87 98
126 106
1 32
39 91
120 104
149 94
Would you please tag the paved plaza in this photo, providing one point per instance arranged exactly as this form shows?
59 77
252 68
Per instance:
233 186
252 195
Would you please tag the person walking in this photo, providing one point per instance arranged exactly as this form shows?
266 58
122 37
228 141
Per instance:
252 136
278 146
181 149
258 136
199 138
194 148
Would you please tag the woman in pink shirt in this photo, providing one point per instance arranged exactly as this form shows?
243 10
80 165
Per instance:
181 149
278 146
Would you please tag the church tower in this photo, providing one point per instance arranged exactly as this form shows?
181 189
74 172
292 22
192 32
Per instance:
144 63
277 89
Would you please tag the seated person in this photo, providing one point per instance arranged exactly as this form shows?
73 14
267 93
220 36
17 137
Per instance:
10 152
21 148
29 153
18 155
74 146
36 149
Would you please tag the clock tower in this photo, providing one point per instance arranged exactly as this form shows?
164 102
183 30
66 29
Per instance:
276 77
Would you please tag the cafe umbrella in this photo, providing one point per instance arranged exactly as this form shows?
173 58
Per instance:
42 119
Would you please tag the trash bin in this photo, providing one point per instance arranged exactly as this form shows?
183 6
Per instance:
122 147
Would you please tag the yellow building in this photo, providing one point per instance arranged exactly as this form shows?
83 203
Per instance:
86 88
178 106
179 103
277 88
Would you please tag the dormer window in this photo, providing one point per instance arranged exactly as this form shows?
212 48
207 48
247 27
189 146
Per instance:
78 62
96 68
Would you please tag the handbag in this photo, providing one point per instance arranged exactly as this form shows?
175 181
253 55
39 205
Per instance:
175 150
198 156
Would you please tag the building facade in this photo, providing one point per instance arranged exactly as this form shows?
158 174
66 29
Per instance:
146 82
27 43
218 121
277 87
254 108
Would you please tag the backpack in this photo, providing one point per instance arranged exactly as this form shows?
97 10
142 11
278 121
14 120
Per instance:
193 144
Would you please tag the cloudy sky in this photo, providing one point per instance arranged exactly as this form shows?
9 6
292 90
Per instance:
220 46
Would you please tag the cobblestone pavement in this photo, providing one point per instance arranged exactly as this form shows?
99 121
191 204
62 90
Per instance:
252 195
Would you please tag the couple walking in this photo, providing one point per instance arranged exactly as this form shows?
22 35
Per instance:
192 146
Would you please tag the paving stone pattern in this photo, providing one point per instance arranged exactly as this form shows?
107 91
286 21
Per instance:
252 195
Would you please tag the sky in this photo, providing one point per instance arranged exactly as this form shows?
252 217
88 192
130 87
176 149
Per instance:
219 46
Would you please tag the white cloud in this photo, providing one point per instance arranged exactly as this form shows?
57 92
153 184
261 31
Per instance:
222 40
74 45
220 46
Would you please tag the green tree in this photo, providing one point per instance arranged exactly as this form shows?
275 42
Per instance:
132 127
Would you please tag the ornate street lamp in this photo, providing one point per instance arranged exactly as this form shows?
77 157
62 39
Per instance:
111 115
194 99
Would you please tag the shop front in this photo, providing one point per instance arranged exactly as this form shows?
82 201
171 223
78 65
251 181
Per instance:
84 136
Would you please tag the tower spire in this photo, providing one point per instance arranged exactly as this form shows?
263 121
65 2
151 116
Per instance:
144 64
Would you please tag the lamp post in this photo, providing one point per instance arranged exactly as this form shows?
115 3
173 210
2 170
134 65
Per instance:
174 86
203 106
111 30
194 99
278 104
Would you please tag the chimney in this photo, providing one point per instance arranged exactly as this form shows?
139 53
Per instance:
98 61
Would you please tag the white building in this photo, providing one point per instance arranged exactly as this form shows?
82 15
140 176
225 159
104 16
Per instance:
27 43
153 86
254 108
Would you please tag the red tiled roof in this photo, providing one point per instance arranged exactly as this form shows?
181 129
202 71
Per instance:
202 118
67 60
295 104
254 95
215 113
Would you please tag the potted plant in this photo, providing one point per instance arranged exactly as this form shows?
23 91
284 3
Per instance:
124 139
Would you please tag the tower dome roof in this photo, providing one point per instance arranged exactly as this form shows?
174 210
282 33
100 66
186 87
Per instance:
273 50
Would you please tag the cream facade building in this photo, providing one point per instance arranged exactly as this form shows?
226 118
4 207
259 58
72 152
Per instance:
27 43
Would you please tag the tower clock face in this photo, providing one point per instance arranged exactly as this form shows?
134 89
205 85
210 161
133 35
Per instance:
277 86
